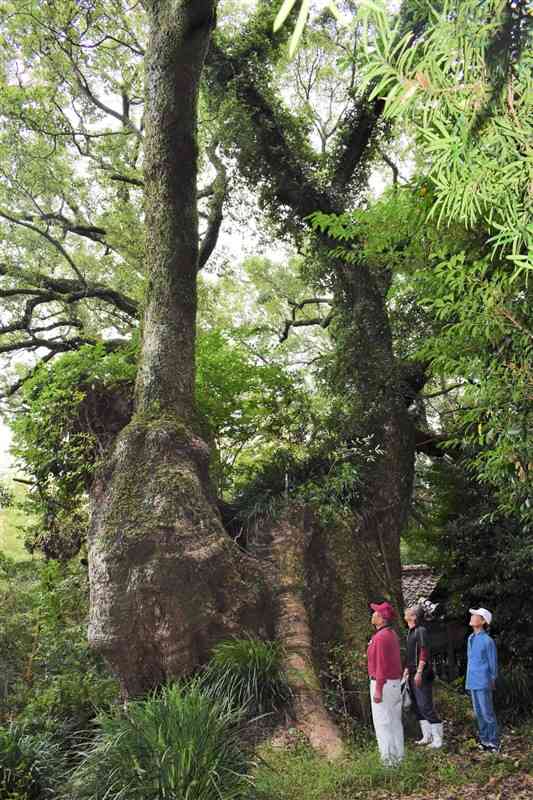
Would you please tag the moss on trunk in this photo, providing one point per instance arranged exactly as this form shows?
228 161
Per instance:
167 582
283 545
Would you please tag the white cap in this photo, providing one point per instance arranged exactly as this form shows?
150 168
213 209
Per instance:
487 616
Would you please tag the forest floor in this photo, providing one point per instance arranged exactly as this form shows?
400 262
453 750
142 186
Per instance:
457 772
507 775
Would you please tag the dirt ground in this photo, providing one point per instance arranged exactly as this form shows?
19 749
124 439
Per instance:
507 775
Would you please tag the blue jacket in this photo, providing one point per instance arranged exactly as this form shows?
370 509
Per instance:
482 667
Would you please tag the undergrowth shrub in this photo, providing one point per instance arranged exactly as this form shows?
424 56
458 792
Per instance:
49 677
178 744
347 694
452 703
31 765
247 673
513 698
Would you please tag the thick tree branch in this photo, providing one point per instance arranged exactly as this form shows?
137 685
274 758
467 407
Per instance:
126 179
277 156
65 290
302 323
356 132
70 226
277 152
54 345
218 190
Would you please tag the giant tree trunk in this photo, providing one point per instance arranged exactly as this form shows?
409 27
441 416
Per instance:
294 181
166 580
371 375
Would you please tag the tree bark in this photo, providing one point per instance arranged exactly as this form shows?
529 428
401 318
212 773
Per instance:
371 376
167 582
178 41
284 545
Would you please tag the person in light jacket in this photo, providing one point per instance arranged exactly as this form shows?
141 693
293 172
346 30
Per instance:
385 673
481 674
419 673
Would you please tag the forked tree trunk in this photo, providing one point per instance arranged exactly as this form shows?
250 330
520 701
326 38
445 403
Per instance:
166 581
294 182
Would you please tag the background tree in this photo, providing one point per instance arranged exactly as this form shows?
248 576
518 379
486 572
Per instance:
468 108
275 152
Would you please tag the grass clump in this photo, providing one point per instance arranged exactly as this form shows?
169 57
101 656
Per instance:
31 765
178 744
293 776
301 773
247 673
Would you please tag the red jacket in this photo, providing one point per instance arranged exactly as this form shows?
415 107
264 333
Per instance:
384 659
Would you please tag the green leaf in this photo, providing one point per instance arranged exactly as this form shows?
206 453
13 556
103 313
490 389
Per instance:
299 27
283 13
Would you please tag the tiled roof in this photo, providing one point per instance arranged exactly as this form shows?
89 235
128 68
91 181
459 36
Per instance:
418 580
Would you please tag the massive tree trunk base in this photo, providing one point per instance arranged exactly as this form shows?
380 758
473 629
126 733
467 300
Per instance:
167 583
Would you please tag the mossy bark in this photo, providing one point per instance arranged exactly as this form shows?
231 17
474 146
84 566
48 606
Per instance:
369 374
179 36
166 580
283 545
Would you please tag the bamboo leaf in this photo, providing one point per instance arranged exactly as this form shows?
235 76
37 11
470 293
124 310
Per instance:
299 28
283 13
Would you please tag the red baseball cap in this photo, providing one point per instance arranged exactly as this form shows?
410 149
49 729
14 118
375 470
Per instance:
385 609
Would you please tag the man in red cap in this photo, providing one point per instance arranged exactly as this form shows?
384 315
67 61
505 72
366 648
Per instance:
385 672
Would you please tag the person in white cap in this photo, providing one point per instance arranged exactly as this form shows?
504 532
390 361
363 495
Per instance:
481 674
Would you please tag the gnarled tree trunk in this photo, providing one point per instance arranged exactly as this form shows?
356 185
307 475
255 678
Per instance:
166 580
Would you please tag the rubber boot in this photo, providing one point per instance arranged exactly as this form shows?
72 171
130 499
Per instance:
437 733
426 732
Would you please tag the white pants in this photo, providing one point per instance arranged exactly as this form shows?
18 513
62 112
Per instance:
387 718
